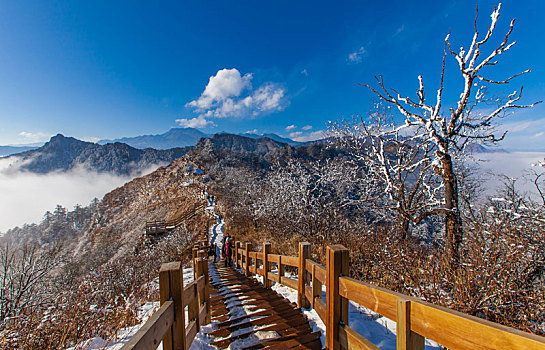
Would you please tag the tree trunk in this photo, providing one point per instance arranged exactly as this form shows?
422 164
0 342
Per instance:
453 220
403 228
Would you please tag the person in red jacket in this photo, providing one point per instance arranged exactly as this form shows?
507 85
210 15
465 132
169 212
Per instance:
227 250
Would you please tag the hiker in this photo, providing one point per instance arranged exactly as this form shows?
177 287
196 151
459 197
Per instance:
212 251
225 236
227 248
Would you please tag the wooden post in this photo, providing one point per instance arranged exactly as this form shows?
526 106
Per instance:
195 254
193 306
171 288
239 251
207 294
407 339
233 253
236 253
201 294
280 269
266 267
243 256
336 309
304 254
247 253
316 287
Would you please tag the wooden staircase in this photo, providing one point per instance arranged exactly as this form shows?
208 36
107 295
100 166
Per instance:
254 316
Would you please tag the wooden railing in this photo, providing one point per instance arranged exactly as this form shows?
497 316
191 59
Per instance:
157 227
416 319
168 323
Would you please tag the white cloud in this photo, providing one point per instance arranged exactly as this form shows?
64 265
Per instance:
91 139
290 127
523 134
296 134
226 83
255 131
34 136
304 72
307 127
357 56
268 97
313 136
513 164
197 122
229 94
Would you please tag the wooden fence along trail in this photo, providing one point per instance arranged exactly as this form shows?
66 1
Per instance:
249 315
158 227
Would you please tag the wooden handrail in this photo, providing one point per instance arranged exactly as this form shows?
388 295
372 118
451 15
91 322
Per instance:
168 323
151 333
162 226
416 319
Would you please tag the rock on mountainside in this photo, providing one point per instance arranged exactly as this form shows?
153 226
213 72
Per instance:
175 137
64 153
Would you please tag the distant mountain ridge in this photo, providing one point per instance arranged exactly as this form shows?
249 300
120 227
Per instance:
476 148
183 137
9 150
175 137
63 153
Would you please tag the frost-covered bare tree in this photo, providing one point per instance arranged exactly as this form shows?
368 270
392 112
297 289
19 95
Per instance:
307 197
433 136
24 273
401 163
537 176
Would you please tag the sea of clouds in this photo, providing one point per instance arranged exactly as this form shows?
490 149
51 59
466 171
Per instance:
25 197
493 166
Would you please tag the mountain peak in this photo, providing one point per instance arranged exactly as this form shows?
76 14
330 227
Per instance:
60 138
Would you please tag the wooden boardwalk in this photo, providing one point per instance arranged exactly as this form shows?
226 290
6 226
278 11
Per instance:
244 314
249 316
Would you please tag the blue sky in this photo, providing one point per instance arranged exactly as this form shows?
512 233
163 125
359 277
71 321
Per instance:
107 69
